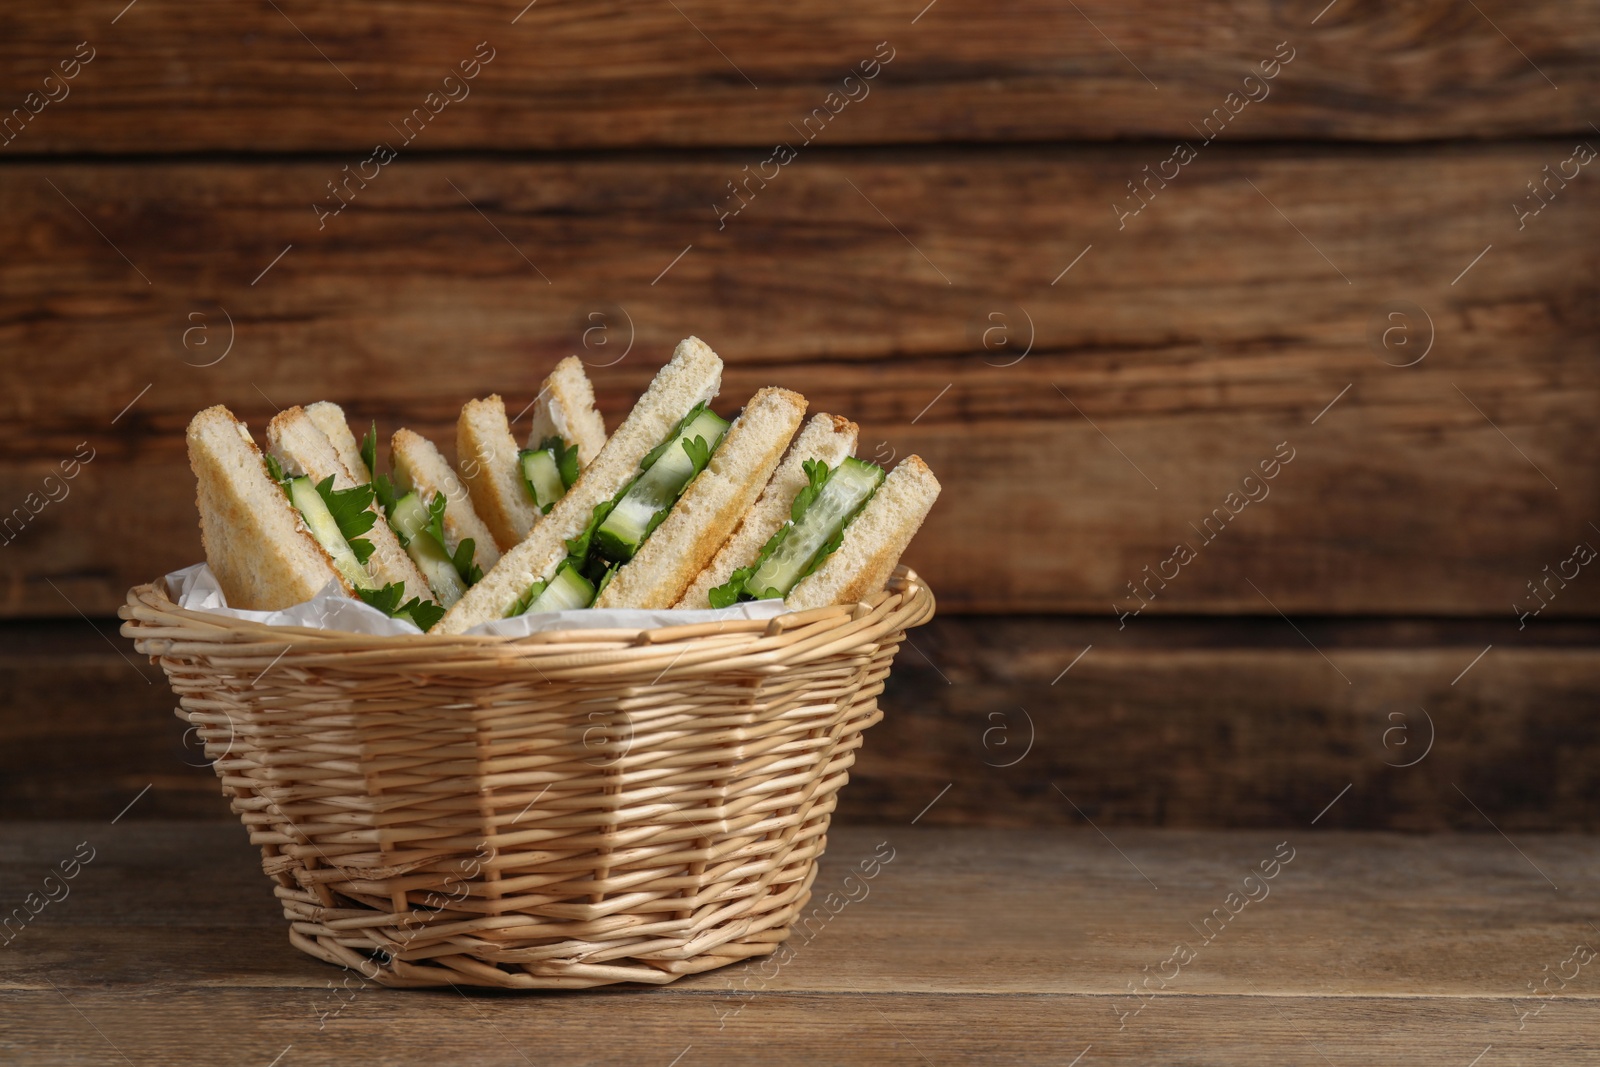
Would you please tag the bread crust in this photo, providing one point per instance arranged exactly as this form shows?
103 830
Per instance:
258 548
710 506
419 465
826 438
693 375
874 542
302 447
565 409
328 417
486 456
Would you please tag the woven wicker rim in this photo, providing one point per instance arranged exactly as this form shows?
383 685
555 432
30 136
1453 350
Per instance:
161 628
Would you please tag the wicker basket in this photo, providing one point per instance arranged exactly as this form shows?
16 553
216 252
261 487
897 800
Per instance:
570 809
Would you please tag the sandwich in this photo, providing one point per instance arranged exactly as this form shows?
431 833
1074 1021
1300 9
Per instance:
828 528
426 506
660 497
257 544
328 417
431 515
858 559
680 508
275 539
513 488
348 523
826 439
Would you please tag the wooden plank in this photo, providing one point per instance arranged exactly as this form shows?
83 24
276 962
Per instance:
1198 724
1144 733
162 926
340 76
906 1028
1157 361
165 897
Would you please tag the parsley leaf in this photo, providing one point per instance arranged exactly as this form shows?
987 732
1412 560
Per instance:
275 472
699 452
728 593
816 475
666 442
384 492
461 558
525 601
387 600
352 513
579 546
369 450
425 613
435 527
466 566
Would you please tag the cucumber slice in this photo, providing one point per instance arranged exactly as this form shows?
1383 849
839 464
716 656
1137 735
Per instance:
566 589
647 500
410 522
319 520
841 496
543 476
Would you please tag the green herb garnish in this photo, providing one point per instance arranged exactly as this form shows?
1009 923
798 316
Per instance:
461 558
423 613
352 513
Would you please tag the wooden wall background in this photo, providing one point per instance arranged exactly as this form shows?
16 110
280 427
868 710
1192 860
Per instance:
944 263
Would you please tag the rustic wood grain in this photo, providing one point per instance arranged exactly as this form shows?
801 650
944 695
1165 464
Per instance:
1167 723
1141 733
296 76
990 946
1179 353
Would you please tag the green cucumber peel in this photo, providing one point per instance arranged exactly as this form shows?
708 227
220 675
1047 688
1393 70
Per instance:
525 601
579 546
656 453
566 457
733 590
462 557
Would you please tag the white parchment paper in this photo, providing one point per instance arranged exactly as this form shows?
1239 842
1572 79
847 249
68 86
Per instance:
195 588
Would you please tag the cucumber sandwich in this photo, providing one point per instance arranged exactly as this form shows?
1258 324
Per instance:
431 514
276 534
512 488
679 508
658 500
827 528
348 525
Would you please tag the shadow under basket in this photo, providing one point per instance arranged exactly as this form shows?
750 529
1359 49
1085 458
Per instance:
570 809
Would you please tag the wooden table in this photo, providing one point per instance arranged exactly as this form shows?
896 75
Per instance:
1015 946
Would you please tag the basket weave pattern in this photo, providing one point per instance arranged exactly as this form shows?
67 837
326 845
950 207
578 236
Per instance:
570 809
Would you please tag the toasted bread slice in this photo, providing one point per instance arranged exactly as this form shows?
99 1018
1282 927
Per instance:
711 505
565 409
259 549
486 455
419 466
303 449
692 376
328 417
873 541
825 439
